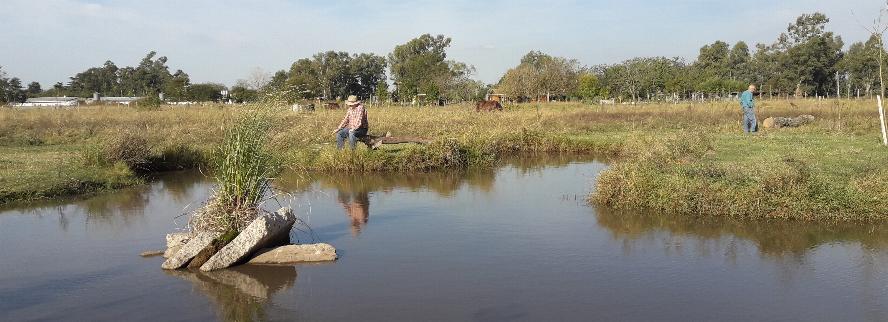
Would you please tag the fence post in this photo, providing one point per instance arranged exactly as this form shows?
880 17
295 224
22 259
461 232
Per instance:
882 121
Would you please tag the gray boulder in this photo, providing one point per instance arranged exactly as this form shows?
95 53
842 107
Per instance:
187 252
174 242
269 230
292 254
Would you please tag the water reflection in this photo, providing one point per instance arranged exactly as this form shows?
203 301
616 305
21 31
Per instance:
122 208
242 293
775 239
357 207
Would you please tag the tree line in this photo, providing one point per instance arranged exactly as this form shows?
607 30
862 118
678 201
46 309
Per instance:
804 60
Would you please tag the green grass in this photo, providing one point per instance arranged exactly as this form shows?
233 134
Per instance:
689 159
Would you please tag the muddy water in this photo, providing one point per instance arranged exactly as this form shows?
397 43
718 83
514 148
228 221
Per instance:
515 243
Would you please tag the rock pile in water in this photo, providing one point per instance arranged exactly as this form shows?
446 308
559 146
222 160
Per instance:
267 236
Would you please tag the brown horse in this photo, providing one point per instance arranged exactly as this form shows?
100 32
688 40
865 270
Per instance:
488 106
332 106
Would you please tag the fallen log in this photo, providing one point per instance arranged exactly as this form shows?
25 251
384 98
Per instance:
779 122
374 141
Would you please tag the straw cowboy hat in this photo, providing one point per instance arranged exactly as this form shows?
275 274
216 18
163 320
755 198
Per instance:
352 100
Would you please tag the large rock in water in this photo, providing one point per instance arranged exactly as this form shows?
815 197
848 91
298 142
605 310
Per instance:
195 245
205 254
175 241
268 230
291 254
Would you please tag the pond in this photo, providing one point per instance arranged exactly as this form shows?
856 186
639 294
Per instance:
517 243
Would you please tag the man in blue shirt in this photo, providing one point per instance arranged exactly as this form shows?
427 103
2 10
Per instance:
747 102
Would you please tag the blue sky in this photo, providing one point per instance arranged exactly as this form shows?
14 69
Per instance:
222 40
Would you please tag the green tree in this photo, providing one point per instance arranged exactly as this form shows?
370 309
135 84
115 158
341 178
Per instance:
382 91
540 75
803 59
205 92
333 75
739 62
176 87
242 93
861 64
418 65
34 89
588 87
714 60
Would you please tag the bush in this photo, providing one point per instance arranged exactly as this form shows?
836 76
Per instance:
128 148
150 102
242 168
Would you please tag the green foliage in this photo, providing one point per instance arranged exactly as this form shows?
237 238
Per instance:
205 92
588 87
242 94
11 89
332 75
382 92
418 65
541 75
148 103
861 63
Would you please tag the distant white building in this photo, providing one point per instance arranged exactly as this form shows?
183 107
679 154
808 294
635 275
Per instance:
123 100
50 102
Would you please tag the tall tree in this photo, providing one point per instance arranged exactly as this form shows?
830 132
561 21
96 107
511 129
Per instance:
714 60
861 64
738 62
418 64
333 75
34 89
541 75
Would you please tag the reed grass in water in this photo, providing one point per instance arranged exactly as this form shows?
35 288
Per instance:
242 167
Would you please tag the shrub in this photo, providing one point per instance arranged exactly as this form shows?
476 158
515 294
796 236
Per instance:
128 148
242 166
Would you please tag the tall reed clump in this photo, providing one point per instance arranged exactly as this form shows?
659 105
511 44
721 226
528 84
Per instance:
243 167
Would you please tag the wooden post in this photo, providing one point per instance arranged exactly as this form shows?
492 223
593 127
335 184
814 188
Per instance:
882 121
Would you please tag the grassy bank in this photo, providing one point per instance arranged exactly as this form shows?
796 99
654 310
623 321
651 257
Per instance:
686 158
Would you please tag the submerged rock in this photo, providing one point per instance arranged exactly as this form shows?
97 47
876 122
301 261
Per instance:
267 231
151 253
291 254
191 249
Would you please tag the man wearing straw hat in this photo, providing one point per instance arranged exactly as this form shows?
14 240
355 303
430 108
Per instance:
354 125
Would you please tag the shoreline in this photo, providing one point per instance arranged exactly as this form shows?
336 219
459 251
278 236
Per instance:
672 159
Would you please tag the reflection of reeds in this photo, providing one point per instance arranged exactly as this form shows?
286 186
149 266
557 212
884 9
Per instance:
773 238
242 170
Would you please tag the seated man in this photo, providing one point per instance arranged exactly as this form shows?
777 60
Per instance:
354 125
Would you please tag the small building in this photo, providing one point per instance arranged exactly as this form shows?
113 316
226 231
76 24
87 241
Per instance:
50 102
122 100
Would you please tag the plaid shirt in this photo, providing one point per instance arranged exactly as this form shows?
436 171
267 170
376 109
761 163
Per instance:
355 118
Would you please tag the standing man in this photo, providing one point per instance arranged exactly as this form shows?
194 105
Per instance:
747 102
354 125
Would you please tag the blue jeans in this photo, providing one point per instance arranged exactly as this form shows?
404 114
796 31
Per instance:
351 135
750 124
